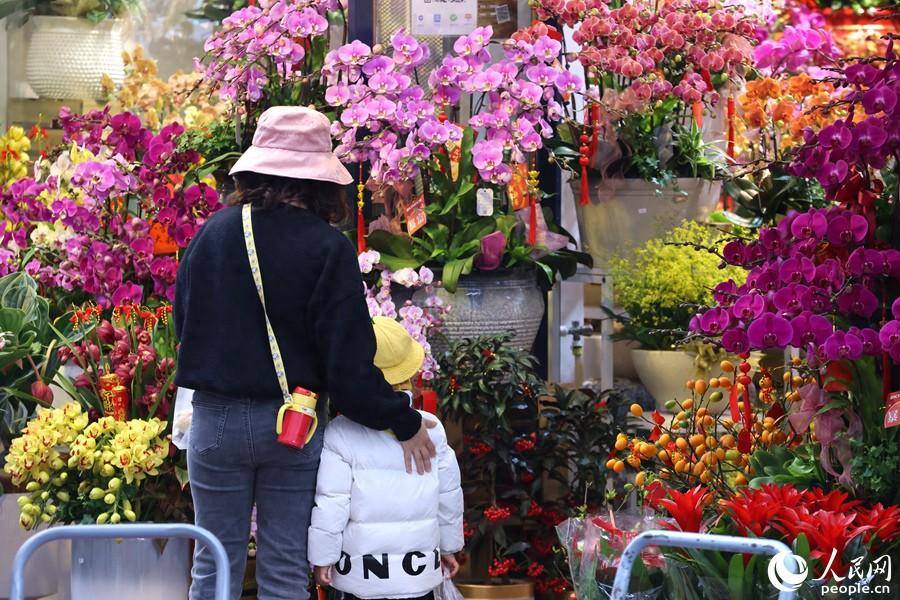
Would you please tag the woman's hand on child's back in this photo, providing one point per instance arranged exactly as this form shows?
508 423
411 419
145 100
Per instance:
450 564
324 575
420 449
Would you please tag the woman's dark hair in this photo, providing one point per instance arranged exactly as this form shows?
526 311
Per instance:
326 199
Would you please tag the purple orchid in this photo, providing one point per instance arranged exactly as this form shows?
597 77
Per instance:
770 331
809 329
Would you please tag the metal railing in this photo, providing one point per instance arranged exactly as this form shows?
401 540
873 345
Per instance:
129 531
700 541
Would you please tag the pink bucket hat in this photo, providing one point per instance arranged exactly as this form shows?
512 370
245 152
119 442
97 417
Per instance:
293 141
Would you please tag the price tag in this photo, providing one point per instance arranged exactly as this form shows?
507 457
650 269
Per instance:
415 215
484 202
892 414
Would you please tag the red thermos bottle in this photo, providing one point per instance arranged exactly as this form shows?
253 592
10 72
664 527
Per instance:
297 420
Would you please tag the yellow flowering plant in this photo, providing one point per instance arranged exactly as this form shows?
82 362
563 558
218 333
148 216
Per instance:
182 98
659 283
15 145
79 469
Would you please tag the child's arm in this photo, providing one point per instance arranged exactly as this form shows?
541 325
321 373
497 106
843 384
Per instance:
450 506
332 510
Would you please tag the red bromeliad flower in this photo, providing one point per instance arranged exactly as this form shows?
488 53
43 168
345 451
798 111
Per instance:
884 522
751 511
686 507
835 500
829 532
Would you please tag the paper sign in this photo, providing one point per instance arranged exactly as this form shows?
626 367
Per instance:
892 414
415 215
484 202
443 17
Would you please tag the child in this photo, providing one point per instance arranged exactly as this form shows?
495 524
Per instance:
378 531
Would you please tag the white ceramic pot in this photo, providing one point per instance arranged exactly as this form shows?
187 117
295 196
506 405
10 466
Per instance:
67 57
40 572
133 569
624 213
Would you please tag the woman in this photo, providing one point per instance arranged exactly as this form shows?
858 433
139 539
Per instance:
314 300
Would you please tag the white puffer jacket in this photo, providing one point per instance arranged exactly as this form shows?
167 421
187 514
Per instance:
382 528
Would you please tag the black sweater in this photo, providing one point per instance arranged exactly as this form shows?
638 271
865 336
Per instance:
314 296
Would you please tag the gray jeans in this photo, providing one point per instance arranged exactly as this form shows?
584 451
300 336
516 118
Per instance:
235 461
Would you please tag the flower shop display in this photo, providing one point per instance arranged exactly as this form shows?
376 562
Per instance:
106 213
268 55
656 285
29 362
643 112
72 45
182 98
466 225
509 460
102 470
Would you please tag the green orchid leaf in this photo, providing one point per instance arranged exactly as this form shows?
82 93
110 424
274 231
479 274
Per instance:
453 270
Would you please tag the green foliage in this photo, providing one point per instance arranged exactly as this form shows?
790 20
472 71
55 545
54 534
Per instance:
92 10
762 198
663 143
799 467
451 238
216 10
28 348
573 444
660 283
491 389
876 470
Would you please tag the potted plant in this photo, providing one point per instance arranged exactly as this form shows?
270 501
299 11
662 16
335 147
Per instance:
477 222
656 287
106 456
637 146
491 390
73 44
28 363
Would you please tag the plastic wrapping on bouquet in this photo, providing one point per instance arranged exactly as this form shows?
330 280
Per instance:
297 420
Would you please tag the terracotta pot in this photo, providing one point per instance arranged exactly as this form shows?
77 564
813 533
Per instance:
623 213
519 590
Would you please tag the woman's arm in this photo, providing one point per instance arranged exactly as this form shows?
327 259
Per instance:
343 329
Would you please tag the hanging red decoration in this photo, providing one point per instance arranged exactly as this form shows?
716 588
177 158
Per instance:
585 159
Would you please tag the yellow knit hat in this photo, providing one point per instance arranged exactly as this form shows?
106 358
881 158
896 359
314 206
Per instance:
398 355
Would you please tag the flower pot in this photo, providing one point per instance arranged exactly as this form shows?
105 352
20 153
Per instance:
67 57
624 213
490 304
133 569
519 590
40 579
664 373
